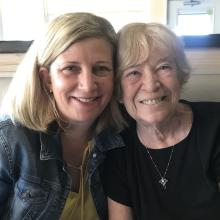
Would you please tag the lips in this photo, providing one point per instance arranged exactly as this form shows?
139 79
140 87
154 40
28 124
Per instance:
86 100
153 101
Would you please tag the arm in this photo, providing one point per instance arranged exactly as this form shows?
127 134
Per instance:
118 211
5 179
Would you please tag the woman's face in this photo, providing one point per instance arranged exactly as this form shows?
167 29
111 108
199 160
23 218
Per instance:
81 80
150 91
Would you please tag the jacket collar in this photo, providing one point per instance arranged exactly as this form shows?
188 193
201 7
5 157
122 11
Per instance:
51 147
108 139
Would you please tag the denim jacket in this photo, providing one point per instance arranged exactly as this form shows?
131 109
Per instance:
34 182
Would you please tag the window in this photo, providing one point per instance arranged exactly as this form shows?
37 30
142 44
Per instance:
193 17
21 20
196 22
28 16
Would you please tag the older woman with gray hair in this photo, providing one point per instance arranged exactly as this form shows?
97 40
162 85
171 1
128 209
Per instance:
169 167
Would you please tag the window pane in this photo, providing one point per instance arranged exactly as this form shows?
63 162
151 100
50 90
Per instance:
194 24
21 20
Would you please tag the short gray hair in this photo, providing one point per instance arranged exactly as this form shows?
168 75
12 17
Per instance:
136 41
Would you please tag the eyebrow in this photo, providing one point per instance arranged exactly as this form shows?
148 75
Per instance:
76 62
162 59
68 62
104 62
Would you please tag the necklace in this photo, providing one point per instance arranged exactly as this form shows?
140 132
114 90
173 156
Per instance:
163 181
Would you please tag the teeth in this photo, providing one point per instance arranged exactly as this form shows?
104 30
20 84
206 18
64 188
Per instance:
152 101
86 99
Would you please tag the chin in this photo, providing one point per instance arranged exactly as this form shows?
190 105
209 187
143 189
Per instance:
154 119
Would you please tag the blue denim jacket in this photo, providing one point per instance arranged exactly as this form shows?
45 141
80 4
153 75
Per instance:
34 182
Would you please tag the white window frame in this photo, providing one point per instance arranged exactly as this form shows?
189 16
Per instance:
198 11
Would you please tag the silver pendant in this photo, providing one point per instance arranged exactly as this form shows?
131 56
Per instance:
163 181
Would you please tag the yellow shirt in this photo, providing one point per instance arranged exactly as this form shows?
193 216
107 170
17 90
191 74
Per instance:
80 206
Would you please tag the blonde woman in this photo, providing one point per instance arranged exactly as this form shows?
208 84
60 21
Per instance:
52 138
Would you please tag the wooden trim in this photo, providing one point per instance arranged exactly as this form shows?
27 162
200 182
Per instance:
9 63
204 60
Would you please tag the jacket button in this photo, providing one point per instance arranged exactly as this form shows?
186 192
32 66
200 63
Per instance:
94 155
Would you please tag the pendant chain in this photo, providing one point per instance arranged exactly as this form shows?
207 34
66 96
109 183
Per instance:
163 181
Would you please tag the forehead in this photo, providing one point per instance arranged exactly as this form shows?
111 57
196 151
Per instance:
142 49
161 54
89 44
87 50
155 56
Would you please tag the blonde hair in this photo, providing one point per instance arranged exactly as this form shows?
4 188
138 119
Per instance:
137 40
27 101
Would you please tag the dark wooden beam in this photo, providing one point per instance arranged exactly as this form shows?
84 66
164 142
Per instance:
201 41
14 46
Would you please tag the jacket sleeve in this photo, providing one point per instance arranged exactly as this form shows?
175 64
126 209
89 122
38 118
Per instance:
6 180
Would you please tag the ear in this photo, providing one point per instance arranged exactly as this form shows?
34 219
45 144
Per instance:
46 78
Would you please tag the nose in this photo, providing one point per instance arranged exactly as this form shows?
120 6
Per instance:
87 81
150 81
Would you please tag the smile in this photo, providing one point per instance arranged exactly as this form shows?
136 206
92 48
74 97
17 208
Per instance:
86 100
153 101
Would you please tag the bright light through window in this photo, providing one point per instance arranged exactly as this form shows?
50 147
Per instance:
21 20
194 24
24 19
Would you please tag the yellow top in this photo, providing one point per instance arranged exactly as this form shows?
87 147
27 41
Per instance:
80 206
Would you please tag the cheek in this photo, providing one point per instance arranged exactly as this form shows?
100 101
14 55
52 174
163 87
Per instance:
59 90
128 90
57 83
108 84
127 95
176 89
172 84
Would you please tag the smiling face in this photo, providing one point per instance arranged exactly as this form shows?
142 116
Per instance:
150 91
81 80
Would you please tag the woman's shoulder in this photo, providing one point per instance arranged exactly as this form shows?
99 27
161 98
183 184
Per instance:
15 134
204 108
5 121
206 119
207 106
7 125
